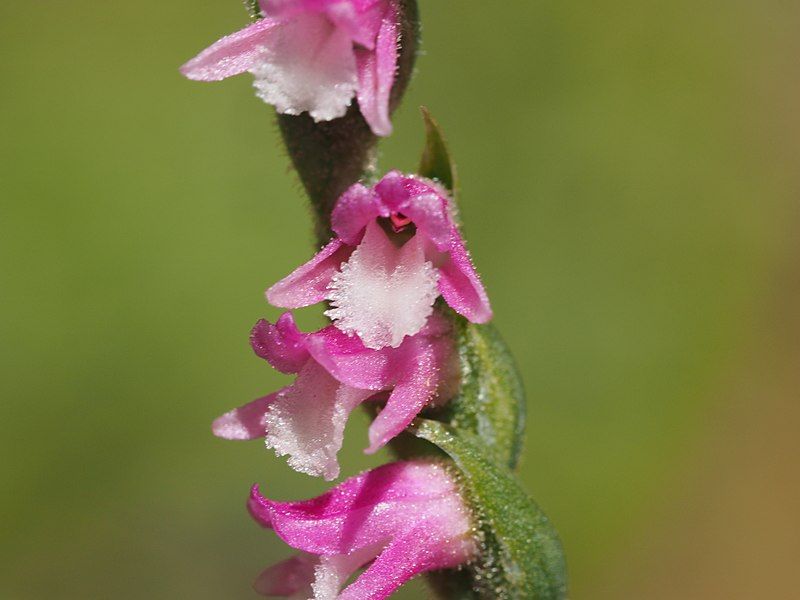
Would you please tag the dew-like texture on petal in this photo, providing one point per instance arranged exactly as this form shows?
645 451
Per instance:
291 8
308 284
359 18
422 369
358 512
354 209
332 572
246 422
417 386
291 578
408 516
437 326
461 285
383 293
424 202
406 557
309 66
336 372
351 362
376 73
283 345
239 52
380 292
306 421
313 56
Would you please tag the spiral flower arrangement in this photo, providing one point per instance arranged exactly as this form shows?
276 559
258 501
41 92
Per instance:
410 336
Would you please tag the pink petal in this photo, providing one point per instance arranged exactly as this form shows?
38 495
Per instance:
348 360
292 576
369 16
357 513
291 8
437 326
409 515
410 555
332 572
306 421
360 18
234 54
309 576
420 381
283 345
424 202
383 293
246 422
461 286
354 209
308 284
376 73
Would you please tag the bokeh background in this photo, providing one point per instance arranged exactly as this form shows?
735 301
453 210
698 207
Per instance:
630 193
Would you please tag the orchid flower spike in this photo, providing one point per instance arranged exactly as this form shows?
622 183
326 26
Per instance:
397 248
401 519
335 373
313 56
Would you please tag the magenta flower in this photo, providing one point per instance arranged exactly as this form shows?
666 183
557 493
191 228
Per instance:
404 518
335 373
313 56
397 249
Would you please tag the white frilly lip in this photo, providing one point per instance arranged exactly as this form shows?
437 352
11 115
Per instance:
306 421
383 293
307 65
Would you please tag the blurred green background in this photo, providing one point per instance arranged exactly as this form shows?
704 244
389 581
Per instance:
630 194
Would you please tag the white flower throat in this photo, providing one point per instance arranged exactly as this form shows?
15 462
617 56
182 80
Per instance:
383 293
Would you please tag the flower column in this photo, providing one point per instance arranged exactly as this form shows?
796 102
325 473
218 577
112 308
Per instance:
409 335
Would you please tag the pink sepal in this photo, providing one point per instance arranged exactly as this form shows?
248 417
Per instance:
233 54
376 73
407 516
246 422
308 284
354 210
461 285
423 201
287 577
283 345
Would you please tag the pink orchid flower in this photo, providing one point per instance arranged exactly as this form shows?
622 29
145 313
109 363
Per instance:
313 56
401 519
335 373
397 248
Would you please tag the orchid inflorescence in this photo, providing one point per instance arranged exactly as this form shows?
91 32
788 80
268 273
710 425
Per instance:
409 336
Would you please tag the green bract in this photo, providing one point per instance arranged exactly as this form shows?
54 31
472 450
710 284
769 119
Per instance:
521 556
481 429
491 399
436 163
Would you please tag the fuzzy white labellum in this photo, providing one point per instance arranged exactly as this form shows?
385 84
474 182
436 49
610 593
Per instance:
309 66
383 293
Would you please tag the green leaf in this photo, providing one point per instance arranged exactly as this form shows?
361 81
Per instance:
436 162
521 557
491 399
